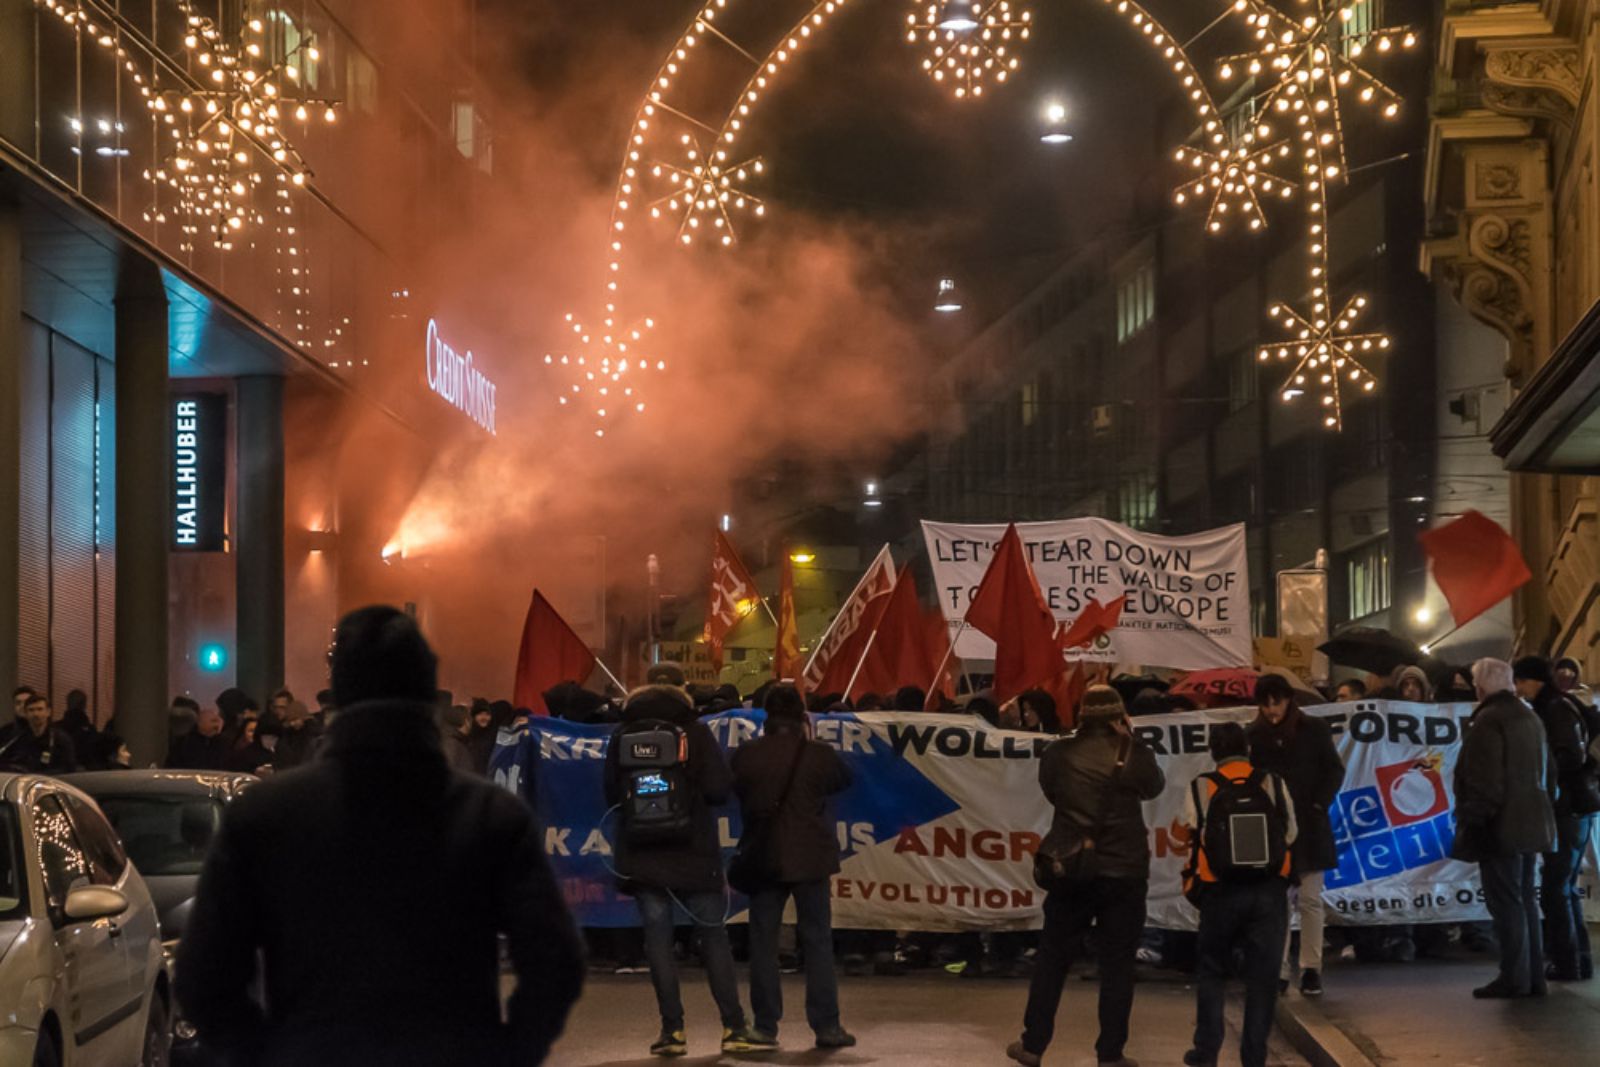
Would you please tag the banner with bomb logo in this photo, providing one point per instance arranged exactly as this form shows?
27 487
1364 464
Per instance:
939 828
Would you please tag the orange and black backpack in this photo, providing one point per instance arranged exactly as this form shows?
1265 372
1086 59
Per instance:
1242 833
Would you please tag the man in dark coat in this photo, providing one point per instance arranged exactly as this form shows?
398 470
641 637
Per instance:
1504 819
373 886
39 746
663 875
1098 774
205 748
1566 935
784 780
1285 741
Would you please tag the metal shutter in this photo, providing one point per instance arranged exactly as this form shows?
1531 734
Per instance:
33 549
72 614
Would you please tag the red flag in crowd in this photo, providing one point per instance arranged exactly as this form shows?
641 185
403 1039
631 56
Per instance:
1095 621
898 653
840 648
733 595
936 636
1476 564
1009 607
786 662
551 653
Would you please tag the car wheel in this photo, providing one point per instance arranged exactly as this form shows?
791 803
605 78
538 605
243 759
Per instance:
45 1054
157 1037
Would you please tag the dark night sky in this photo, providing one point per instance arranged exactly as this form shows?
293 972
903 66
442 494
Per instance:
857 131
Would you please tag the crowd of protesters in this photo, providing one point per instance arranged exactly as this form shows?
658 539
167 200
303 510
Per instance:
1526 791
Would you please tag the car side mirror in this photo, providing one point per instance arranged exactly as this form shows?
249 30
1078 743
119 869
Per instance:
90 902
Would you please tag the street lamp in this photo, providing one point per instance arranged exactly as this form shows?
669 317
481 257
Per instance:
1055 129
948 298
958 16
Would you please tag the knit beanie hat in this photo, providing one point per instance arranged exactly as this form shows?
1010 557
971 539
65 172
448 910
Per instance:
1101 702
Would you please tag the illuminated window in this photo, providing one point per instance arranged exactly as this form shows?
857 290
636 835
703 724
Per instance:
1030 403
1364 18
1136 302
1136 500
1367 579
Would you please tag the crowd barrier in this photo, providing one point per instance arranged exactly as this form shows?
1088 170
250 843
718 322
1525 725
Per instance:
938 830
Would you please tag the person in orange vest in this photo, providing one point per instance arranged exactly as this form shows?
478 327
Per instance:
1241 823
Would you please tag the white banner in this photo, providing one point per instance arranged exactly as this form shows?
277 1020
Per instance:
1188 600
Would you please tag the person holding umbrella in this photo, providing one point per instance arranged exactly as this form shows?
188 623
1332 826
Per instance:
1285 741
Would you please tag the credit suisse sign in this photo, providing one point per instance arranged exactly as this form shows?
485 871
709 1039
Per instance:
454 379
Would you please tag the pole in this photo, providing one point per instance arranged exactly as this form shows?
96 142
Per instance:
598 662
948 652
1428 646
862 662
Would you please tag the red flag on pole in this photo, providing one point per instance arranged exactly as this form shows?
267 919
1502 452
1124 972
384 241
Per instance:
787 665
733 595
899 654
551 653
1009 607
1095 621
936 633
1476 564
840 648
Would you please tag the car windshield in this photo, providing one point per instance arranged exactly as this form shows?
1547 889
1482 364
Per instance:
13 876
164 835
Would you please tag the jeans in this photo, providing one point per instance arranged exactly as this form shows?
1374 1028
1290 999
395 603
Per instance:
1565 934
1255 917
1307 897
1514 907
814 929
1116 907
706 909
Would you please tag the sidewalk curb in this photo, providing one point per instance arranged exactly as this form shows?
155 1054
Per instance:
1316 1037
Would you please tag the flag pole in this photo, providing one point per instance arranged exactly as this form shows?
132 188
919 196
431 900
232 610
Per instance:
862 662
598 662
950 650
1428 646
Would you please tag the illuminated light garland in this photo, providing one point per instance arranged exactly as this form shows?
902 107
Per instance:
968 57
1234 178
1326 353
227 111
706 191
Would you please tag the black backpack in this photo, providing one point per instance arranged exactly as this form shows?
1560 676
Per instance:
656 794
1243 832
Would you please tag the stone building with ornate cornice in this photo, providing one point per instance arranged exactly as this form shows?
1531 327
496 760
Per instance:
1514 230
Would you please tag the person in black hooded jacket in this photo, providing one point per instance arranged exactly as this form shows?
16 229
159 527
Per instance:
666 876
373 884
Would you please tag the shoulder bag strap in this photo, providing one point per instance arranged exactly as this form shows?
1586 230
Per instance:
1104 812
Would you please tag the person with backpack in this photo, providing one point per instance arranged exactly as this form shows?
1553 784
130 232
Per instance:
1299 749
1241 820
664 775
789 849
1568 732
1094 866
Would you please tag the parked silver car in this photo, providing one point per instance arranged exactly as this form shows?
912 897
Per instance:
82 979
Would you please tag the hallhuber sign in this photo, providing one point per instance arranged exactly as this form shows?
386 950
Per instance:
199 472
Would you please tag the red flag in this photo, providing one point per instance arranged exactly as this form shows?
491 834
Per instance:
733 595
1009 607
840 648
551 653
1476 564
1095 621
786 662
898 654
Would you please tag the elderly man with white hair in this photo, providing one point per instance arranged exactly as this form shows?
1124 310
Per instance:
1504 820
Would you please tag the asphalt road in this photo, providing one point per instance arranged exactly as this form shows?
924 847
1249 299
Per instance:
918 1019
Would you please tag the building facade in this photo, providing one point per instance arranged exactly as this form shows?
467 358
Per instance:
1513 208
221 375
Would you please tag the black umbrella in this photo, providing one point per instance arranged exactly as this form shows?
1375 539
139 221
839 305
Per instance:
1129 686
1371 649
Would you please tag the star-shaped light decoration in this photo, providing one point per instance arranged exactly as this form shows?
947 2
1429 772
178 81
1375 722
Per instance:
1307 61
1328 356
603 365
706 192
1235 177
976 51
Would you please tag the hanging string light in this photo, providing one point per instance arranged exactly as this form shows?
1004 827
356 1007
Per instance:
706 192
1326 353
969 42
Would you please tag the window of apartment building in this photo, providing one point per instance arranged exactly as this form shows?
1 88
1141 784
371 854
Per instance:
361 82
1244 379
1363 20
1136 302
296 47
1136 500
1030 403
1366 572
